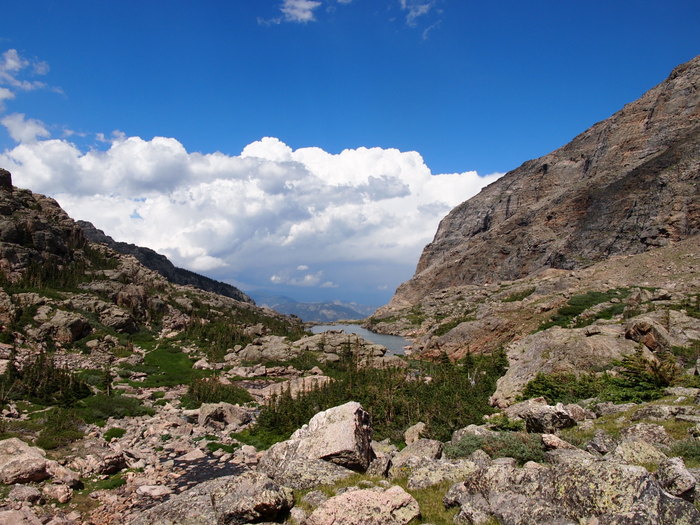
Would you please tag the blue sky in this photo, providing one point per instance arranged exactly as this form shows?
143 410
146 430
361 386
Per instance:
475 88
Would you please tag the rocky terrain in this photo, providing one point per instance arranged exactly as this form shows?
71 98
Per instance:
562 261
626 185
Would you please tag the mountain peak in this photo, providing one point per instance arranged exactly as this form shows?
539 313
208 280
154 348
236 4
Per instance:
625 185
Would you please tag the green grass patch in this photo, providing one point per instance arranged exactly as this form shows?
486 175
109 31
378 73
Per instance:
449 325
578 304
97 409
114 433
519 296
166 365
689 450
213 446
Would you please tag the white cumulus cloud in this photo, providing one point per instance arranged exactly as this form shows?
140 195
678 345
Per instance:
303 217
22 129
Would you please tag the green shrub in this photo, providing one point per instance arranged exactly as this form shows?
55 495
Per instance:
521 446
563 387
99 408
464 447
578 304
60 427
640 379
449 325
41 381
211 390
114 433
215 445
395 397
503 423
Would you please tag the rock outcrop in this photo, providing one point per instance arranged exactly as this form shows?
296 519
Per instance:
627 184
249 498
333 444
393 506
574 491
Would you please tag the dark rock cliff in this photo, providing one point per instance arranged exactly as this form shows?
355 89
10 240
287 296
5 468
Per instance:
627 184
159 263
34 230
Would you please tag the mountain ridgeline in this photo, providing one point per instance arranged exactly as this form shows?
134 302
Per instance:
159 263
627 184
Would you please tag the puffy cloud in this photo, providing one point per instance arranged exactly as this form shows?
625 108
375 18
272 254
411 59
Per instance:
304 218
22 129
299 10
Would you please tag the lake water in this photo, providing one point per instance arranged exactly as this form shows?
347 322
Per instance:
394 343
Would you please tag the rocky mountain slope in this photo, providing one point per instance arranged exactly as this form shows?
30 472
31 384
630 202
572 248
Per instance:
159 263
565 261
626 185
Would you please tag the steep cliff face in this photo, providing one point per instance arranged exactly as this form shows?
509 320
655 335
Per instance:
34 230
160 263
627 184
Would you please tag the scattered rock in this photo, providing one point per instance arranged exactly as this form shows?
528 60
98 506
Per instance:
61 493
393 506
21 463
676 479
637 452
24 493
340 435
223 415
251 497
414 433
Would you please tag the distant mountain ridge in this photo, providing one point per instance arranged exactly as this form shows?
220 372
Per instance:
628 184
321 312
161 264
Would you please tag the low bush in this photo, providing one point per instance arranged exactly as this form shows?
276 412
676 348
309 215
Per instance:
638 380
563 387
445 396
215 445
60 427
97 409
211 390
521 446
114 433
503 423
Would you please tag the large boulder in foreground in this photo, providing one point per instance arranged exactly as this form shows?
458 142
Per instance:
251 497
393 506
21 463
340 435
577 491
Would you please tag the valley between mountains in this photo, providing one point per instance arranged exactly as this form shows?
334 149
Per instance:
553 376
